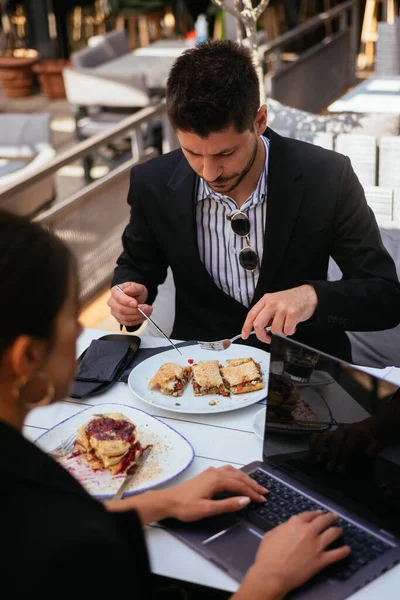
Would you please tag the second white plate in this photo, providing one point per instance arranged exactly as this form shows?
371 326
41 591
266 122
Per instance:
170 456
139 378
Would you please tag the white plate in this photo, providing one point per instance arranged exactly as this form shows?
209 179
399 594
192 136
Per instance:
139 378
170 456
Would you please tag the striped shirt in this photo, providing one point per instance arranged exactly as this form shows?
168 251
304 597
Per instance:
219 247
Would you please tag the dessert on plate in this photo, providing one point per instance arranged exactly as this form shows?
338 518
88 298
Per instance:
110 442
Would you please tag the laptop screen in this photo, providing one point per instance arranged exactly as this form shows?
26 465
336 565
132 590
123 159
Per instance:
334 428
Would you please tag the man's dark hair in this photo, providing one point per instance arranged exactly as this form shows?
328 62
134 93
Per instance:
212 86
35 267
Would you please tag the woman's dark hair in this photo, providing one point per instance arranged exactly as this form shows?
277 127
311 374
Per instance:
212 86
35 267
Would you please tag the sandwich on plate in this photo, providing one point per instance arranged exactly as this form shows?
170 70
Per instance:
171 379
242 375
207 379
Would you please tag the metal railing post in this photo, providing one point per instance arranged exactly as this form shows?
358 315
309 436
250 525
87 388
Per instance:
88 146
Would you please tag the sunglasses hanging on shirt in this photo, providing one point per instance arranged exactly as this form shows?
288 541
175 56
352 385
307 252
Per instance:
240 224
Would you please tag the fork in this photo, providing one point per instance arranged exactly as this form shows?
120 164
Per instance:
64 448
221 344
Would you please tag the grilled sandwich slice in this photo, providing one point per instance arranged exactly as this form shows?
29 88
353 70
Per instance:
234 362
171 379
207 378
242 375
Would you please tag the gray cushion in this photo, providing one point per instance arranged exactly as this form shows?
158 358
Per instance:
24 131
154 68
113 45
288 121
122 68
118 41
91 57
10 166
376 348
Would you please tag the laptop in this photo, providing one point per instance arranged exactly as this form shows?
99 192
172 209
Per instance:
310 396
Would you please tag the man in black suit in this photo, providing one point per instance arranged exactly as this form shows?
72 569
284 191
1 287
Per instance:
247 222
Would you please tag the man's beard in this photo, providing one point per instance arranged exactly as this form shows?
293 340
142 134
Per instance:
242 175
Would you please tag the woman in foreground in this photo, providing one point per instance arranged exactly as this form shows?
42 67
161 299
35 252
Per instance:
58 540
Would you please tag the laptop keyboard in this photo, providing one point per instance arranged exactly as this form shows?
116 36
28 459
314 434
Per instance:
284 502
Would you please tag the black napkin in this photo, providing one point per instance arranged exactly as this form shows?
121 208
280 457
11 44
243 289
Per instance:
84 389
87 382
102 365
144 353
102 360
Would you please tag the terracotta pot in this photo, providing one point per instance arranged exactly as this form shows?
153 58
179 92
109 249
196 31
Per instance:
16 76
50 77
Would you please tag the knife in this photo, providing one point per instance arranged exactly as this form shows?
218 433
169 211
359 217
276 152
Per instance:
152 322
131 474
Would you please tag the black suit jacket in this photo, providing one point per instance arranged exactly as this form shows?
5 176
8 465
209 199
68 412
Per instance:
56 540
316 208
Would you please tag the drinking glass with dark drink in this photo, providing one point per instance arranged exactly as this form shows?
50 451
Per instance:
299 363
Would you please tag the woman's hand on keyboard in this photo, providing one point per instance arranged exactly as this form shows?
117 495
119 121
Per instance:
291 554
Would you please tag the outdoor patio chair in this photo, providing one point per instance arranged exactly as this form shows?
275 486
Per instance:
376 348
102 90
25 147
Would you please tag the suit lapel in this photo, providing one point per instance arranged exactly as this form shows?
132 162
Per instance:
284 196
180 203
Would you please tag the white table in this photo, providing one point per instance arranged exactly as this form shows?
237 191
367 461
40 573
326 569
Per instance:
377 94
165 48
154 62
217 439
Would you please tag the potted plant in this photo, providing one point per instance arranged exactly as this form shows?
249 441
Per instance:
16 62
50 75
50 69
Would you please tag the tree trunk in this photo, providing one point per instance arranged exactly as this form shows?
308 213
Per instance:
248 18
251 33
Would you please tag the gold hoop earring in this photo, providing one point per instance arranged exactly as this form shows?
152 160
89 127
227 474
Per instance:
21 383
44 399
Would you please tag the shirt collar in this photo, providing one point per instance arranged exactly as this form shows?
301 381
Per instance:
204 191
